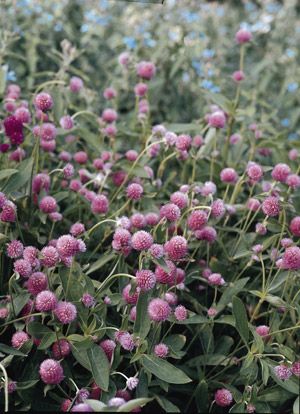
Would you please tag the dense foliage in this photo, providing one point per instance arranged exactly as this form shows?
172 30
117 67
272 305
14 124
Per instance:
149 206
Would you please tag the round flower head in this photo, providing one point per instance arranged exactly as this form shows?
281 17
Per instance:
180 313
156 251
76 84
180 199
134 191
208 234
282 372
223 397
110 93
218 208
238 76
124 58
216 279
253 204
77 229
141 240
159 310
108 346
161 350
37 282
61 349
235 138
243 36
293 154
65 405
68 171
131 155
43 101
12 386
82 408
8 214
45 301
250 408
291 258
145 279
14 249
140 89
66 122
166 277
146 70
116 402
151 219
293 181
121 240
14 130
271 206
51 372
3 313
65 312
170 211
125 339
254 171
138 220
217 119
18 339
23 267
176 248
82 395
48 205
47 132
88 300
295 226
262 330
183 142
132 383
50 256
208 188
40 182
100 204
229 176
197 220
109 115
130 295
280 172
260 229
296 368
211 312
3 199
67 246
132 314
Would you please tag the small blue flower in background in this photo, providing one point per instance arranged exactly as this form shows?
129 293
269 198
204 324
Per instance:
150 42
216 89
210 73
208 53
250 7
292 87
220 11
185 77
202 35
207 84
84 28
293 136
103 4
197 66
273 7
190 17
130 42
58 27
290 53
11 76
285 122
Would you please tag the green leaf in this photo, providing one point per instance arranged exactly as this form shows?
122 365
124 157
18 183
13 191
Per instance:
7 173
241 319
296 406
72 282
167 405
230 291
47 340
38 330
142 322
164 370
132 404
20 301
18 180
238 408
81 357
201 397
195 319
24 385
99 366
100 262
183 128
175 342
220 100
11 351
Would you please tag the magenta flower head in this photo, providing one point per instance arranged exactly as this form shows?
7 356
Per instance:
50 256
65 312
14 249
238 76
151 219
18 339
180 199
134 191
176 248
109 115
146 70
164 277
124 58
43 101
161 350
66 122
14 130
88 300
216 279
130 295
183 142
48 204
170 211
40 182
138 220
61 349
125 339
291 258
254 171
262 330
122 240
76 84
243 36
223 397
229 176
271 206
141 240
218 208
293 181
293 154
110 93
217 119
295 226
156 251
51 372
159 310
47 132
208 234
253 204
67 246
140 89
282 372
100 204
180 313
280 172
37 282
296 368
197 220
145 279
108 347
23 267
45 301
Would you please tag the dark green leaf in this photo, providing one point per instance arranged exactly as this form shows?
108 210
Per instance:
164 370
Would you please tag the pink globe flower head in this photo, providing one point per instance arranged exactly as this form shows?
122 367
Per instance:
82 395
180 199
243 36
76 84
218 208
80 157
18 339
146 70
176 248
158 310
229 176
235 138
295 226
116 402
67 246
151 219
47 132
95 392
61 349
124 58
75 185
43 101
260 229
10 105
212 312
170 211
134 191
207 234
14 249
296 368
156 251
65 312
126 340
110 130
161 350
51 372
18 155
68 171
12 386
183 142
98 164
50 256
14 130
180 276
282 372
37 282
41 182
118 177
110 93
131 155
88 300
109 115
122 241
198 141
286 242
293 154
293 181
48 205
209 188
132 314
82 408
66 122
48 146
180 313
45 301
166 277
291 258
108 347
250 408
141 240
23 267
254 171
171 298
197 220
223 397
271 206
217 119
145 279
215 279
77 229
100 204
253 204
130 294
41 116
23 115
281 172
65 405
263 331
154 150
4 313
8 214
238 76
140 89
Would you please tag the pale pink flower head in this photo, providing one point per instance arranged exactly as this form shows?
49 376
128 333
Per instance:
238 76
50 256
108 346
76 84
124 59
151 219
77 229
296 368
66 122
67 245
217 119
295 226
23 267
130 294
14 249
88 300
216 279
61 349
271 206
260 229
145 279
253 204
116 402
18 339
180 199
212 312
40 182
183 142
100 204
140 89
280 172
3 313
198 141
293 181
156 251
22 114
254 171
43 101
286 242
235 138
48 205
176 247
65 312
170 211
138 220
45 301
166 277
82 408
293 154
208 188
197 220
109 115
131 155
110 93
51 372
126 340
37 282
223 397
180 313
146 70
218 208
291 258
80 157
282 372
134 191
263 330
47 132
161 350
207 234
141 240
229 176
243 36
159 310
